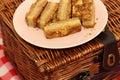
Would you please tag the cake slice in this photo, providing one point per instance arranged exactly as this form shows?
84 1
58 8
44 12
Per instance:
88 14
85 10
64 10
87 1
62 28
34 12
76 8
47 14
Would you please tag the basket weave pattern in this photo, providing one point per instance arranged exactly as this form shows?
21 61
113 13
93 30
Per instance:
38 63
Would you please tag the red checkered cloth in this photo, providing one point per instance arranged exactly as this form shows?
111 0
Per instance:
7 71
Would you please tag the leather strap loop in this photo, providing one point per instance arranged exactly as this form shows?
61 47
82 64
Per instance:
110 56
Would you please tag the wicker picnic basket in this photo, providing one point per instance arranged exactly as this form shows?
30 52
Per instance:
78 63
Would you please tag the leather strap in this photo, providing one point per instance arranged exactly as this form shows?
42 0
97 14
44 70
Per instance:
111 54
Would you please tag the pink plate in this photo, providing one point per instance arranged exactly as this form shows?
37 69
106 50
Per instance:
36 36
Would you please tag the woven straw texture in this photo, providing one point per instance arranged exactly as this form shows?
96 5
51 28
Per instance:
35 63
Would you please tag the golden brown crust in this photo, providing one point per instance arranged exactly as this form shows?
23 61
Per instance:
34 12
88 14
64 10
85 10
62 28
77 8
87 1
47 14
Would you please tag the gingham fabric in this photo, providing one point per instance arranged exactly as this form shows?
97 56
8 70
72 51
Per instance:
7 72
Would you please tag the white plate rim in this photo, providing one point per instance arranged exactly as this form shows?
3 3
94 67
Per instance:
61 42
